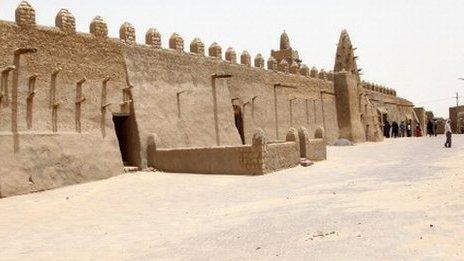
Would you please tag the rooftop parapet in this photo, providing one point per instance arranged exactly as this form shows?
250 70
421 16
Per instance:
231 55
330 76
25 14
98 27
245 58
304 70
378 88
259 61
365 85
197 46
272 64
153 38
314 72
322 75
176 42
127 33
65 21
215 50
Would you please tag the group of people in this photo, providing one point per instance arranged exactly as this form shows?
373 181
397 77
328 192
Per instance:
395 130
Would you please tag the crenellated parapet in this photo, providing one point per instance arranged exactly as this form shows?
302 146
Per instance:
285 60
304 70
231 55
215 50
245 59
322 75
259 61
272 64
65 21
153 38
378 88
25 14
330 76
98 27
314 73
127 33
176 42
197 46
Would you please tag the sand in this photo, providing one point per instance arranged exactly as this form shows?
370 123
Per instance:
400 199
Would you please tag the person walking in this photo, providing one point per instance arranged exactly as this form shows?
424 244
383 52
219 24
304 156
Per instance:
418 130
402 129
448 134
409 129
429 128
435 127
395 129
386 130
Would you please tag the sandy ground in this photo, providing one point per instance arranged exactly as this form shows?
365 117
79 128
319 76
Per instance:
400 199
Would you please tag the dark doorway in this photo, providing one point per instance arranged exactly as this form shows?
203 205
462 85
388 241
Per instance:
239 122
128 138
384 118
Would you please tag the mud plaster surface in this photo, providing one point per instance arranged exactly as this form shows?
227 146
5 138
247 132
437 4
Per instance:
400 199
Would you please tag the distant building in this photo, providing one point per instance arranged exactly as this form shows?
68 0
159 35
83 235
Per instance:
456 115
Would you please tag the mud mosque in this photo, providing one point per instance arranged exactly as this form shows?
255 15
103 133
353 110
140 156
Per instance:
77 107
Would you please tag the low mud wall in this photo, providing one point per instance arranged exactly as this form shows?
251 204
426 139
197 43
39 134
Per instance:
255 159
314 149
52 160
280 156
214 160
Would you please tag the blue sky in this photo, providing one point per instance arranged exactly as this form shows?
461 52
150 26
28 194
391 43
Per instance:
415 47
